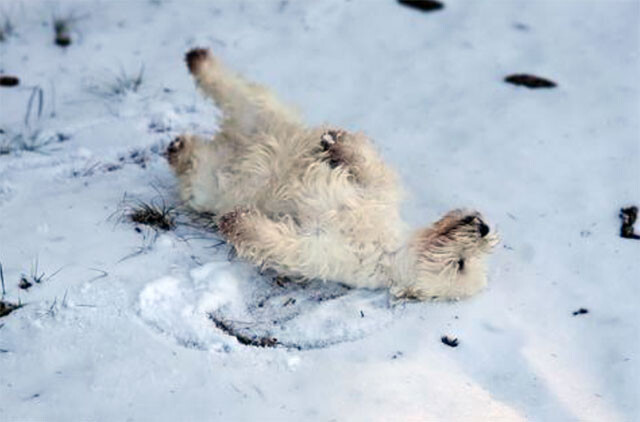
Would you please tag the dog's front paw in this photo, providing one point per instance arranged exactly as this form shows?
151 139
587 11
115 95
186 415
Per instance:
179 153
174 149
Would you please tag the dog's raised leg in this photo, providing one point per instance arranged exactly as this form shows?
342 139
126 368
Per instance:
247 108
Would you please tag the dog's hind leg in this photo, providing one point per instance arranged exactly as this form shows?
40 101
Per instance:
282 246
247 108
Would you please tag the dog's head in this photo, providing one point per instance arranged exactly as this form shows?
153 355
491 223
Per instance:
446 261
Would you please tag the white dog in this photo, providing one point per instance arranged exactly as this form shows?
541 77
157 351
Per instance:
316 203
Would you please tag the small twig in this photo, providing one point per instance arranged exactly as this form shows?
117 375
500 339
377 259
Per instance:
242 338
51 312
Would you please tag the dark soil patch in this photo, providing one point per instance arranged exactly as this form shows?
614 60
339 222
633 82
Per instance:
529 81
628 216
449 341
62 29
9 81
24 283
422 5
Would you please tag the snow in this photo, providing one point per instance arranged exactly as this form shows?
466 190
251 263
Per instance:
123 330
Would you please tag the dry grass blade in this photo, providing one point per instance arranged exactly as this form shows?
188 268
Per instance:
35 277
35 93
121 84
6 28
4 292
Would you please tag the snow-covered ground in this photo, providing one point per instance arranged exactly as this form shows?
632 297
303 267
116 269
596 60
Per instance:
121 331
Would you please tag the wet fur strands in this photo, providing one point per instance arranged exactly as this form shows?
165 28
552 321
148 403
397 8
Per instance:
316 203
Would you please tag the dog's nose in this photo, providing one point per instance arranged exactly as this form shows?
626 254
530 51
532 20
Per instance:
484 230
174 145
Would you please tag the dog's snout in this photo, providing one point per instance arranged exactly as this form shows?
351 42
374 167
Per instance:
484 229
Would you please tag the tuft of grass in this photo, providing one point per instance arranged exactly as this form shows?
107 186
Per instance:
155 213
63 27
127 82
149 214
30 140
122 84
30 136
7 307
35 277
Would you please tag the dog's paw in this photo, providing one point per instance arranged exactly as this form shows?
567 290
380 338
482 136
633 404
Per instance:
179 154
232 225
330 138
332 143
176 150
173 150
195 58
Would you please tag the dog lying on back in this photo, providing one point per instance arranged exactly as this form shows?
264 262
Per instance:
316 203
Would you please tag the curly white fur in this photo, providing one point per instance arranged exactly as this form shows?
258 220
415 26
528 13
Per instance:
317 203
